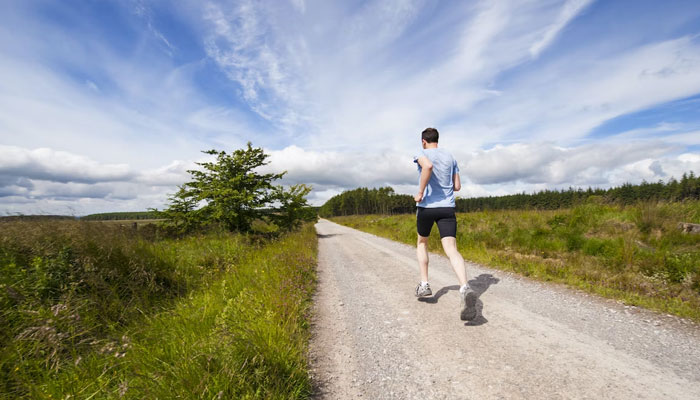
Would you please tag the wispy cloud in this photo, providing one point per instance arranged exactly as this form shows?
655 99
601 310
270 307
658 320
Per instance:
244 44
569 11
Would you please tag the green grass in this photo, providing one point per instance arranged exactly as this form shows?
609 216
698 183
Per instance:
95 311
635 254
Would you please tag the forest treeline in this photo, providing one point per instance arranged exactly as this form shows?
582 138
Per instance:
118 216
386 201
368 201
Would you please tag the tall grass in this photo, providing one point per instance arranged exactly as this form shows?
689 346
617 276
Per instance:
633 253
91 310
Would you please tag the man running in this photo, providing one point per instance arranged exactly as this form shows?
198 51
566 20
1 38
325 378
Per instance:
439 179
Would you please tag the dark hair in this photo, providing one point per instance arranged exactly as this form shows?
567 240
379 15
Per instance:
430 135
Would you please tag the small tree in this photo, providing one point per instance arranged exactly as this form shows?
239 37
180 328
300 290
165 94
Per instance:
182 212
293 208
232 193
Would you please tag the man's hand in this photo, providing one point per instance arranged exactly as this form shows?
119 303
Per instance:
418 197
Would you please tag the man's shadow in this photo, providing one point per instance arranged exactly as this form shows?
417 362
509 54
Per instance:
436 296
479 285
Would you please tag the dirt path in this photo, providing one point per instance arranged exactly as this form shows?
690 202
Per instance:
373 339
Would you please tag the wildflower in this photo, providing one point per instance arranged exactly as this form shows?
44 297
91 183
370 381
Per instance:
123 387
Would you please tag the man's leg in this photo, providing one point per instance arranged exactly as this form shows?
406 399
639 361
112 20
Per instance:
467 305
424 223
423 288
422 252
449 244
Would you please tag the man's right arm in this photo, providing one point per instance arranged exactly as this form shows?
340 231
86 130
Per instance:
457 184
425 172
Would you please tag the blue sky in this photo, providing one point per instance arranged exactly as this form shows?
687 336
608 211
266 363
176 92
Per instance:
104 105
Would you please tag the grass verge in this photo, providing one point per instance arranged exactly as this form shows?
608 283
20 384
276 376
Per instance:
635 254
208 316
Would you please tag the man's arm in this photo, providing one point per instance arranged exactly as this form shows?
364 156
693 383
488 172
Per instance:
425 172
456 182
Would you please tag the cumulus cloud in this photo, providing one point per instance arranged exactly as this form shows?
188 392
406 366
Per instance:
548 163
46 177
172 174
343 169
71 191
60 166
500 170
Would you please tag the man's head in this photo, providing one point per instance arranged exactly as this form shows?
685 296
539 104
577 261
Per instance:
429 135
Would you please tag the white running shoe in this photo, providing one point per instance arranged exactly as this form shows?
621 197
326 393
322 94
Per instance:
423 290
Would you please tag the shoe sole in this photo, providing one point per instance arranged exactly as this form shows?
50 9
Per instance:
428 294
469 308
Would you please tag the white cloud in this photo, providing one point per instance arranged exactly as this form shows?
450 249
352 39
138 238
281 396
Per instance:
547 163
569 11
49 181
59 166
142 110
342 169
173 174
675 133
568 98
500 170
363 88
243 43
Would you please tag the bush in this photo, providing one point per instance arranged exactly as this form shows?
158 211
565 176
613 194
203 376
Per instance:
678 267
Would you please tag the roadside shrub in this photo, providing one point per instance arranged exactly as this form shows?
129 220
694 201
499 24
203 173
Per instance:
597 247
678 267
574 240
648 216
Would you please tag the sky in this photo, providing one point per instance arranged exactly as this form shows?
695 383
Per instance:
105 105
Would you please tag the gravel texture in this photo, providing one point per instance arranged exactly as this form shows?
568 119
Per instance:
373 339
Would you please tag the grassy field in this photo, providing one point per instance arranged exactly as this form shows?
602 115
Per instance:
95 311
635 254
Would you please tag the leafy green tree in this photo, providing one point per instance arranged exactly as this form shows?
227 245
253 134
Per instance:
231 192
293 209
182 214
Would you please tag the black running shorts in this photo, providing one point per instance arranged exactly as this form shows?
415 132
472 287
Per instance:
444 216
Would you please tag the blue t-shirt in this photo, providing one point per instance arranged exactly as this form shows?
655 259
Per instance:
439 192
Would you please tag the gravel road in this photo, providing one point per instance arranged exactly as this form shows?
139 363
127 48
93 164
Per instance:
373 339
